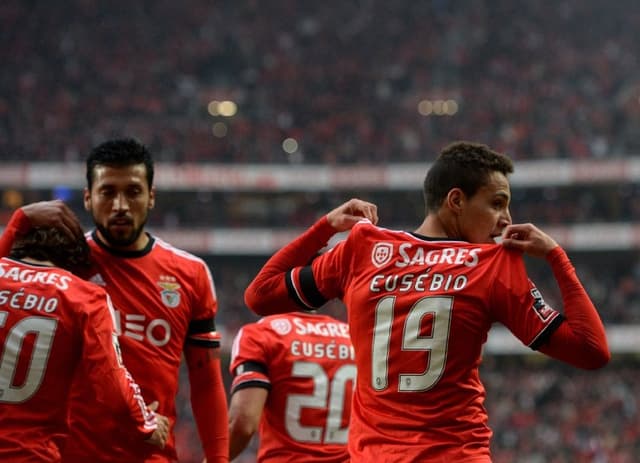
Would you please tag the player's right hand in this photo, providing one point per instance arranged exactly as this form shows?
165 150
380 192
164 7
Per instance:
54 214
345 216
161 434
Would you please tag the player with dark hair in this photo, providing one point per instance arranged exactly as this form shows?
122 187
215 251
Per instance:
165 306
420 306
52 325
293 383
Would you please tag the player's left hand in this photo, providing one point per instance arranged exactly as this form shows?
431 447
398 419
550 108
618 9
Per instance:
529 239
161 434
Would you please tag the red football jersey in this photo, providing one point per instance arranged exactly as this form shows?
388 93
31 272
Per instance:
420 311
307 363
163 298
53 324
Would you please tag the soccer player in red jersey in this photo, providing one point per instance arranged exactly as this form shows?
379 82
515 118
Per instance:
165 306
420 306
293 383
52 324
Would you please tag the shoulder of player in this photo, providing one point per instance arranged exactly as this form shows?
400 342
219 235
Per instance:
162 246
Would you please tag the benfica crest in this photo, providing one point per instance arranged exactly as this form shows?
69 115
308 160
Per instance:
381 254
169 294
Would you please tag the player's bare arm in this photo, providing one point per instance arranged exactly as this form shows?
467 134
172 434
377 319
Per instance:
245 411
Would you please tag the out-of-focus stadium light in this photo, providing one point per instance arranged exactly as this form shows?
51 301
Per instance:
437 107
290 145
12 199
226 108
219 129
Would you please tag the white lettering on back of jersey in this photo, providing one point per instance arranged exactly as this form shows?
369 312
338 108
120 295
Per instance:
412 255
28 275
317 350
328 329
420 282
25 300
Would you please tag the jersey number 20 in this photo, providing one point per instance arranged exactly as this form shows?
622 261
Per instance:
326 394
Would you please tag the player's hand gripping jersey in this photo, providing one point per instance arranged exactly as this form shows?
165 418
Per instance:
53 324
306 361
419 312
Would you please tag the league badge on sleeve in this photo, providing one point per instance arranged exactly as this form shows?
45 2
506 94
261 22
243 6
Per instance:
541 308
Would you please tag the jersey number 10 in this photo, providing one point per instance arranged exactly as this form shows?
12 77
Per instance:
44 329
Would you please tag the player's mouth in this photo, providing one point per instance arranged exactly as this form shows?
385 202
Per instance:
120 223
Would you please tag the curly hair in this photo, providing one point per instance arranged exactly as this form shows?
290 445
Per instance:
51 244
463 165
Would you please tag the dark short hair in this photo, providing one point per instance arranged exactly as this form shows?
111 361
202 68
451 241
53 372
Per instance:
463 165
121 152
51 244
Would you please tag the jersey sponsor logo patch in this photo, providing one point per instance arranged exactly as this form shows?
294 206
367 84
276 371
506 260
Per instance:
281 326
381 254
542 309
169 294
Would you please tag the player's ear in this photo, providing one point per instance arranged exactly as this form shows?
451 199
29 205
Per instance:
455 200
152 197
86 196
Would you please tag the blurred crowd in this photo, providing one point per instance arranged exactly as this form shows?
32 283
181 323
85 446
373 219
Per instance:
202 209
344 79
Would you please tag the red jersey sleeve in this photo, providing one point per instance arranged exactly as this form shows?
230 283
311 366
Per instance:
581 340
103 364
517 303
202 328
271 290
249 358
18 224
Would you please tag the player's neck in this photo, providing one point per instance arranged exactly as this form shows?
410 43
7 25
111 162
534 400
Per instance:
433 227
30 260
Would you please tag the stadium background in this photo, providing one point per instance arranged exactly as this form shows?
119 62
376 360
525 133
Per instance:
263 115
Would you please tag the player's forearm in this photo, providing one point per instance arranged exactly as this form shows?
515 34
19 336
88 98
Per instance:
209 405
267 293
581 340
122 394
238 440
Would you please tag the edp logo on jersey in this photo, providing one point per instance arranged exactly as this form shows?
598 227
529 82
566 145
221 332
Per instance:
381 254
